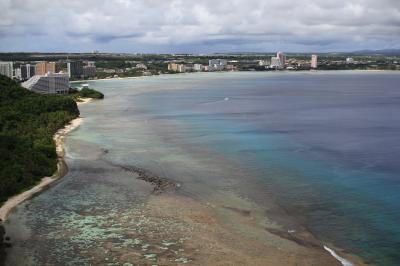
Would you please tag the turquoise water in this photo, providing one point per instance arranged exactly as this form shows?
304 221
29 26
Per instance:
323 146
327 143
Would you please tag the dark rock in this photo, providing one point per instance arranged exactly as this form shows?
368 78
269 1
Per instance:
160 183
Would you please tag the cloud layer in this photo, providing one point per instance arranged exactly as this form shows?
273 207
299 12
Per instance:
198 26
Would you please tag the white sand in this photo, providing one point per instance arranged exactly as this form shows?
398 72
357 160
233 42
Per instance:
84 101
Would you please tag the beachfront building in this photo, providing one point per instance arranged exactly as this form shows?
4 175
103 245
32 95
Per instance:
50 83
275 62
265 62
314 61
89 71
6 69
231 68
45 67
217 64
172 66
181 68
27 71
282 59
176 67
75 69
198 67
17 73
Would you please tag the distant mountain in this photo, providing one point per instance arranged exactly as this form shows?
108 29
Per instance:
388 52
382 52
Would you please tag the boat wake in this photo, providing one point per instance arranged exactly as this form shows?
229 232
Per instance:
342 260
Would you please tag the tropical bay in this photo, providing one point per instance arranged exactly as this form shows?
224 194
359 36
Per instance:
221 133
231 161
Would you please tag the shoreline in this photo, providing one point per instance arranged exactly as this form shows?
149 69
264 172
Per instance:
46 181
281 71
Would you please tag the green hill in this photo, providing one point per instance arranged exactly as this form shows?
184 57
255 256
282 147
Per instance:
28 122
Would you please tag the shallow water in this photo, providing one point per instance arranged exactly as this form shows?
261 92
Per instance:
323 147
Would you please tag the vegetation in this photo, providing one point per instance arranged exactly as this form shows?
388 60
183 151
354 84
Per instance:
2 245
85 93
28 122
90 93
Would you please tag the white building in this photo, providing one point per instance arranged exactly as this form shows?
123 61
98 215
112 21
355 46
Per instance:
349 60
50 83
198 67
314 61
17 73
275 62
217 64
6 69
264 62
141 66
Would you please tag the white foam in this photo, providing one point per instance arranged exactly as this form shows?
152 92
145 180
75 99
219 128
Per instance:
342 260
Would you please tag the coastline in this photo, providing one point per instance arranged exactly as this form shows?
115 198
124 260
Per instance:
14 201
45 182
283 71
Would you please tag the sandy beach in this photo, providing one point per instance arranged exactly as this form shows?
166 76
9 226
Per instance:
84 101
48 180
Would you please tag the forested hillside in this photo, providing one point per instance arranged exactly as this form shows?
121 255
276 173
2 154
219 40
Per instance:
28 122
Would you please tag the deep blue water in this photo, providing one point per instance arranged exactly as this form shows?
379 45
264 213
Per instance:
326 144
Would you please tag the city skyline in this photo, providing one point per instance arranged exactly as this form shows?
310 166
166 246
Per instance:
198 27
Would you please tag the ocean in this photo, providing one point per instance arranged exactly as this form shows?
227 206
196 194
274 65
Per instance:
313 151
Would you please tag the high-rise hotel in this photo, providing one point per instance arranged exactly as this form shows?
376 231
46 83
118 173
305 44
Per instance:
6 69
282 58
314 61
45 67
75 69
27 71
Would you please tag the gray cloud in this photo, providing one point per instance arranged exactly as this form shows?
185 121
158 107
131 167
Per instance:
204 26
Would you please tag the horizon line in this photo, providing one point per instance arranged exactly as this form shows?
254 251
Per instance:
94 52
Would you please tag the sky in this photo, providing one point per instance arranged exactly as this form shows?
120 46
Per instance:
198 26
